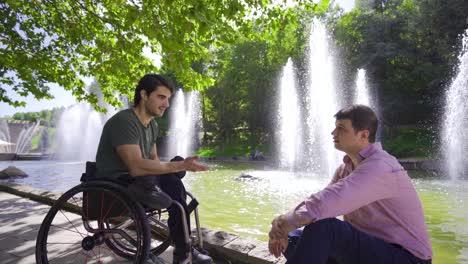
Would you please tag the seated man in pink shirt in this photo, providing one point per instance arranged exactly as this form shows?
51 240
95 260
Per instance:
383 216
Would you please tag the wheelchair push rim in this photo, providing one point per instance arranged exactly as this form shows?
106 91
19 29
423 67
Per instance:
77 229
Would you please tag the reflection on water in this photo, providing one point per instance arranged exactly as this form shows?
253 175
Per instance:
246 206
446 207
49 175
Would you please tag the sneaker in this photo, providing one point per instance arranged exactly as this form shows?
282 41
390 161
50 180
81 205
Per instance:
151 197
200 258
197 258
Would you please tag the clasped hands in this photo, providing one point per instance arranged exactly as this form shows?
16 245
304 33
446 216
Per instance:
278 235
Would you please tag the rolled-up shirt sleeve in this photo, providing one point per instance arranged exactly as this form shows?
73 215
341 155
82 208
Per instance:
369 182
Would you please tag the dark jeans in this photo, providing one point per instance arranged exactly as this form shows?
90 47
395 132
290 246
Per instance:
332 241
172 185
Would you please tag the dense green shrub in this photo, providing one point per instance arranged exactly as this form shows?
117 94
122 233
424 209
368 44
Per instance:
410 142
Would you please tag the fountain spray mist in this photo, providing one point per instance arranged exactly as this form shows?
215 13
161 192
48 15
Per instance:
362 90
322 100
454 137
185 119
289 135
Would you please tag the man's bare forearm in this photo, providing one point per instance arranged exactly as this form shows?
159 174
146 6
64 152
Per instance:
154 167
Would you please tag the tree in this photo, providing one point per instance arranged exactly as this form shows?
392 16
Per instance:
60 41
46 117
240 106
409 49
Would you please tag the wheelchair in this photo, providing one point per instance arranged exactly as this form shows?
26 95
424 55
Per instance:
99 221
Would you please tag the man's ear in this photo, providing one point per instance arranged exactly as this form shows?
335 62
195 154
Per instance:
365 134
143 94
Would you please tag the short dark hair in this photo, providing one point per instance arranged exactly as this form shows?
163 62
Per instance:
362 117
150 82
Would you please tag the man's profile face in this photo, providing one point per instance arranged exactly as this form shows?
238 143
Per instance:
345 138
158 101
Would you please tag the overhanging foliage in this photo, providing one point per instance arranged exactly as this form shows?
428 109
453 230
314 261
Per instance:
60 41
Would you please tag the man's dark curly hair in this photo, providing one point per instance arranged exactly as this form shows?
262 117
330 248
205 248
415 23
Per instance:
150 82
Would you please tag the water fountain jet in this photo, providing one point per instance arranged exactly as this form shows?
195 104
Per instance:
454 138
78 132
185 121
323 102
362 90
17 136
289 117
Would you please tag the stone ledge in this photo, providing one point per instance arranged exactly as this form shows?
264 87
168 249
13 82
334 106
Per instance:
220 244
38 195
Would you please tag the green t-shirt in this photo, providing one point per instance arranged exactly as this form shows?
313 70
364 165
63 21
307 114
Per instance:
123 128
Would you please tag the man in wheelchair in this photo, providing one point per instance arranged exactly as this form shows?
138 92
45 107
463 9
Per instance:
127 150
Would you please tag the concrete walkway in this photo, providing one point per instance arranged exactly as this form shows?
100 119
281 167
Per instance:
20 219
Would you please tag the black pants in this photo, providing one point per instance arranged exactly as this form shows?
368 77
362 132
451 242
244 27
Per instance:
172 185
332 241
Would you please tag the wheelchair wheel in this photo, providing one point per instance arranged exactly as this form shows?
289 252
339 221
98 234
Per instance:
78 225
160 239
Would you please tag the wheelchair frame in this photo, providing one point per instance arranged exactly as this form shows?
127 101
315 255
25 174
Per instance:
102 231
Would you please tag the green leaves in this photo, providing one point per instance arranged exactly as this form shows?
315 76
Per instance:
61 41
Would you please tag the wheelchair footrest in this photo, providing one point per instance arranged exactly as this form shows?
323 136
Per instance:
192 205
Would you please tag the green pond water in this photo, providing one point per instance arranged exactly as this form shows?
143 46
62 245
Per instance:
247 206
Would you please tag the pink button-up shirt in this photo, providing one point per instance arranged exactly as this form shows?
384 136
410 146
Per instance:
377 197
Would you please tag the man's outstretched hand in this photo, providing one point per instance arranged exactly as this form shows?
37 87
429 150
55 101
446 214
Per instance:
191 164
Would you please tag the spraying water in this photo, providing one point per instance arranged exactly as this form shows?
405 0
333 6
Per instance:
17 135
5 136
322 102
78 132
363 96
362 91
289 117
23 144
79 128
454 134
185 119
